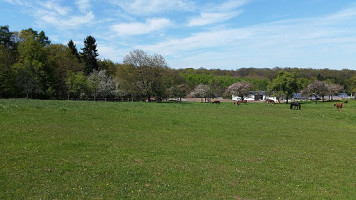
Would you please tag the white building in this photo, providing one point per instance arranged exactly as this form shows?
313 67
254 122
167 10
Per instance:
255 96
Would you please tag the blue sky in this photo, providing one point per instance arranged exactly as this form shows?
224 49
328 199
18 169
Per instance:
226 34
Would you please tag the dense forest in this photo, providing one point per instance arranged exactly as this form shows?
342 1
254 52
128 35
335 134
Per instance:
32 67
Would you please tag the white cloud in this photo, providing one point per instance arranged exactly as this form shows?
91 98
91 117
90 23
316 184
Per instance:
50 12
70 22
83 5
307 41
212 18
198 41
148 7
52 6
16 2
232 4
109 52
152 24
218 13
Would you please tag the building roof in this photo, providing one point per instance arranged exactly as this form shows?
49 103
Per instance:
258 92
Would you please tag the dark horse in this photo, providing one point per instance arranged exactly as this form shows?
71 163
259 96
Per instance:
215 102
296 105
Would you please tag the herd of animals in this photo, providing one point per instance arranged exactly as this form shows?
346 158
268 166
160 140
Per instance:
293 105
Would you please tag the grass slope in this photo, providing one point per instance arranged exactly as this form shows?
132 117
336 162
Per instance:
99 150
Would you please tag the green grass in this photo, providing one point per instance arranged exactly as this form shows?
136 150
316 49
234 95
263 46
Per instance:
102 150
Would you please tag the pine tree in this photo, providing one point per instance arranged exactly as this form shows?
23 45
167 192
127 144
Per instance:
89 55
73 49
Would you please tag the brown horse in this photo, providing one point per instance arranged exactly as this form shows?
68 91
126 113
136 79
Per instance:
270 101
215 102
244 101
237 103
339 106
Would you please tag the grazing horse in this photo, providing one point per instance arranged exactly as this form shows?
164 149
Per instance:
270 101
346 101
339 106
296 105
215 102
237 103
244 101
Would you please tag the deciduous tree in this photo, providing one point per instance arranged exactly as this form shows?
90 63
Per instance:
316 88
61 62
240 89
77 84
287 83
144 73
200 91
333 89
101 85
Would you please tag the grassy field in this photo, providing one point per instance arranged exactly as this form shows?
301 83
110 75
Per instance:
102 150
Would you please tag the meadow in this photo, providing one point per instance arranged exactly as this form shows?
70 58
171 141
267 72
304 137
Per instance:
136 150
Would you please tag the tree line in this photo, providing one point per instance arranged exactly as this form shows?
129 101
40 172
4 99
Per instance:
32 67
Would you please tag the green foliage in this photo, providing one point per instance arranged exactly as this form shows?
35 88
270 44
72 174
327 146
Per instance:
353 84
29 75
286 83
178 91
39 37
107 65
144 74
77 84
32 49
60 62
7 83
43 39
